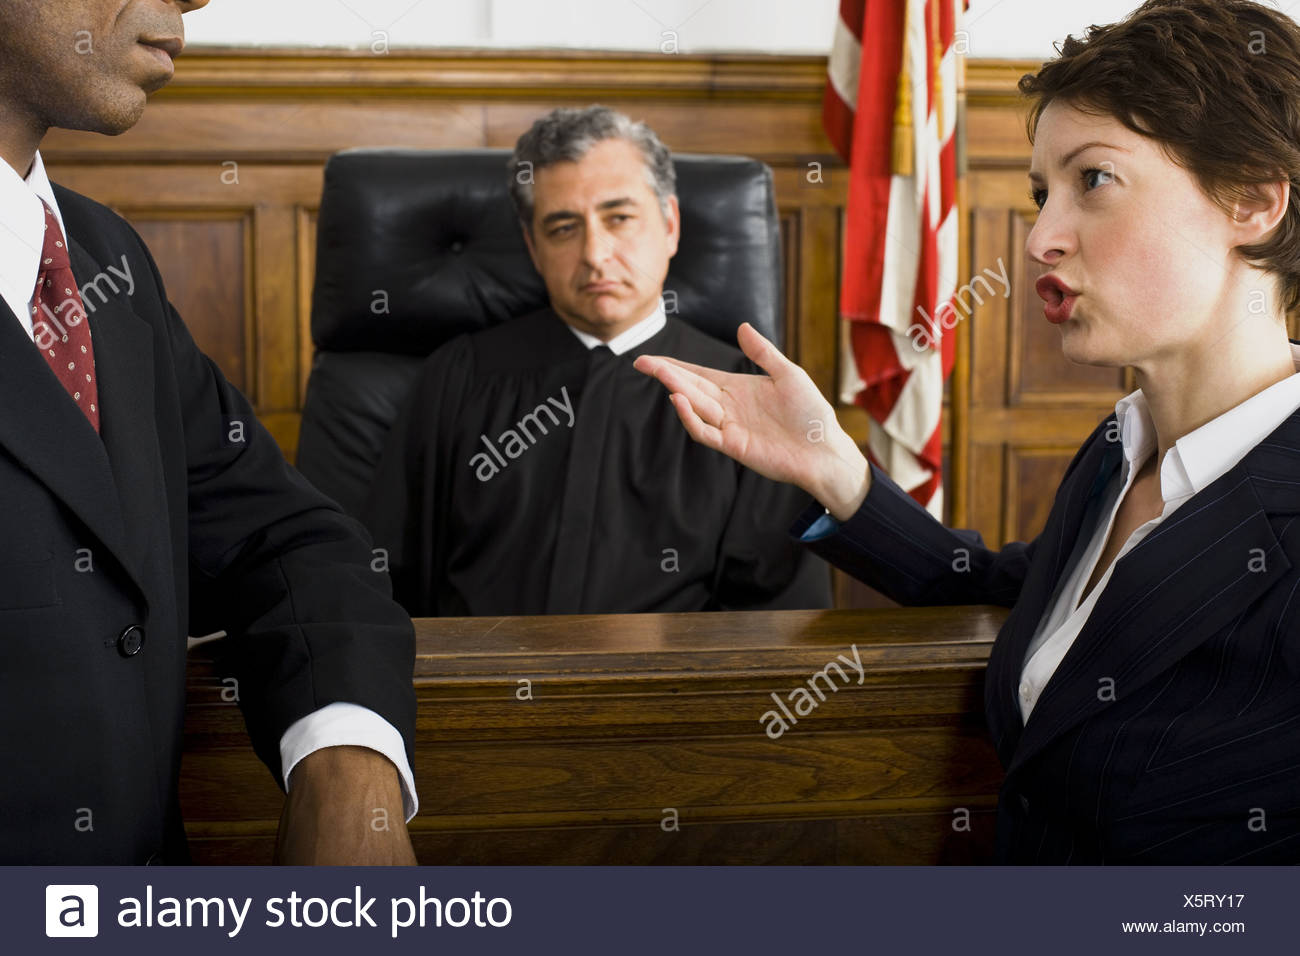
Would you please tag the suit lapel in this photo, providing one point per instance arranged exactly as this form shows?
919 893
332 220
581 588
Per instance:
1214 557
45 431
1100 458
124 357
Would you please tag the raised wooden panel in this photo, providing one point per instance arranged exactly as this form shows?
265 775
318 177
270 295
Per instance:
989 323
790 222
1032 477
277 299
206 260
996 136
307 217
987 482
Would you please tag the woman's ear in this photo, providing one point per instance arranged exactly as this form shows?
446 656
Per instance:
1259 210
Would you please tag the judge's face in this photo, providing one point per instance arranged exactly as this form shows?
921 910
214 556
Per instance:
1148 253
86 64
600 239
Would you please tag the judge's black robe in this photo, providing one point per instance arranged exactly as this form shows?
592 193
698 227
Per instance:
526 474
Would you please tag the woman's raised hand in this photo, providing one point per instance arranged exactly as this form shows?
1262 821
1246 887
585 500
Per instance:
778 424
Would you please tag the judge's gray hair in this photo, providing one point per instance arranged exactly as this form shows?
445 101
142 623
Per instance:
566 134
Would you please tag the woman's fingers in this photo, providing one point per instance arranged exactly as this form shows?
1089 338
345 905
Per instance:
708 380
703 395
760 351
697 428
695 381
756 348
713 376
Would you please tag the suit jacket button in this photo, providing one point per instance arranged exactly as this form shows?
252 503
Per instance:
130 641
1024 803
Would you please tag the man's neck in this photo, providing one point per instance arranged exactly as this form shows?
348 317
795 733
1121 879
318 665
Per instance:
605 332
19 142
631 335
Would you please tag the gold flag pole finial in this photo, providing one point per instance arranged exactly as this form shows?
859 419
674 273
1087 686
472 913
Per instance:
903 158
937 73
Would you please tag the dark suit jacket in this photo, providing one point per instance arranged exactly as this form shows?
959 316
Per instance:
167 525
1170 733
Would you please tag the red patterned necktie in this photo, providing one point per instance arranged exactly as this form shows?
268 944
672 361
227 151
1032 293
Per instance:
59 323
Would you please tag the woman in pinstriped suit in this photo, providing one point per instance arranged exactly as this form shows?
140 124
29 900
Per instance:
1144 693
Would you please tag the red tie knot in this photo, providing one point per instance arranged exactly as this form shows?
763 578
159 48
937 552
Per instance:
54 256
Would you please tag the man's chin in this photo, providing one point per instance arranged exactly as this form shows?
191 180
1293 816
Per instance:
116 128
113 119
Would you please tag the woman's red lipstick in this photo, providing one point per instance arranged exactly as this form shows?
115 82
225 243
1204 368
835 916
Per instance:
1058 298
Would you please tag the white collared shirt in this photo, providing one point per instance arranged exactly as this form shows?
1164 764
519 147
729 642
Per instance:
628 339
1195 461
22 238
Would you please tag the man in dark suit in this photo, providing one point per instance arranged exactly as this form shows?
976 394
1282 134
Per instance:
143 502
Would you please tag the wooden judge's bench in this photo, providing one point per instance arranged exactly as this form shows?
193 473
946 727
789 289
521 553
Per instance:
645 739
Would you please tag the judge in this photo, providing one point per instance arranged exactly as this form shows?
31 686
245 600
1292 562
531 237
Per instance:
532 470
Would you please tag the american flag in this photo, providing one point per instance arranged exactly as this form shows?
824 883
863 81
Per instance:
890 109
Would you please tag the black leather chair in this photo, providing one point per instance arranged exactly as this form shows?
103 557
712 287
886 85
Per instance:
415 247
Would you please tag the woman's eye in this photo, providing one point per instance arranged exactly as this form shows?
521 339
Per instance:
1092 178
1038 197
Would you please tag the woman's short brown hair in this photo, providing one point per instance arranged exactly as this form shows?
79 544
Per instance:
1217 83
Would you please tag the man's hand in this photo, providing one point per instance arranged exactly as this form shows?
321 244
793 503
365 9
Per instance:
778 424
344 808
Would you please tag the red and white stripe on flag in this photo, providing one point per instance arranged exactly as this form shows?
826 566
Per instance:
890 109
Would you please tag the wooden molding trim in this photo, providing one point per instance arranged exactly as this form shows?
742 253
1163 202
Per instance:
225 72
992 83
235 71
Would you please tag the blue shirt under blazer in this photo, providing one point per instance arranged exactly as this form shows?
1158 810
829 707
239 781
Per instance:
1170 732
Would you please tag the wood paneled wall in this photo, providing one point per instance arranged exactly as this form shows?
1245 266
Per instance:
223 178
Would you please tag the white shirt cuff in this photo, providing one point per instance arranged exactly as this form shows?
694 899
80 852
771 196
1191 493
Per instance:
342 724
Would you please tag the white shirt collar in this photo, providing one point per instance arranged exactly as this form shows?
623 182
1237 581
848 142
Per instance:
22 234
1204 455
625 340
